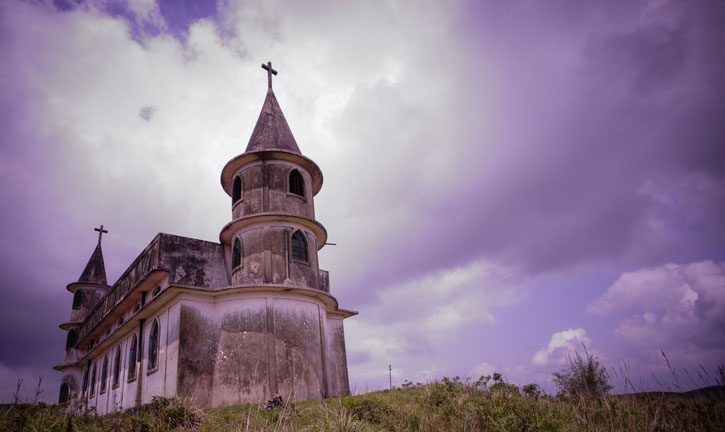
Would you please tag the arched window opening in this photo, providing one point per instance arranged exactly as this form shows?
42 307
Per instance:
85 379
299 246
77 299
93 380
296 183
154 346
64 393
132 358
237 253
237 189
104 374
70 340
117 367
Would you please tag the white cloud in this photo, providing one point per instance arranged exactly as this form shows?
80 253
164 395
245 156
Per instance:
560 345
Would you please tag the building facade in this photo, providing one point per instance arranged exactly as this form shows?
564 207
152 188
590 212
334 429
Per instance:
239 321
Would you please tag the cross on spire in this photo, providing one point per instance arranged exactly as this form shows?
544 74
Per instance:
270 72
100 233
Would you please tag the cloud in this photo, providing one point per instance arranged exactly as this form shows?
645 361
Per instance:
560 345
678 308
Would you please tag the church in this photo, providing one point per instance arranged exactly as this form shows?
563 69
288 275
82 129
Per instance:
239 321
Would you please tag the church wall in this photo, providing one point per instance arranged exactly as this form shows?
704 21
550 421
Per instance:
153 380
337 361
246 348
193 262
278 199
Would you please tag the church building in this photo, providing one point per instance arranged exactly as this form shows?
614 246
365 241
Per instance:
239 321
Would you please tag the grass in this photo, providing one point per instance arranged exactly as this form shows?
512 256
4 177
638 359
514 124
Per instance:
448 405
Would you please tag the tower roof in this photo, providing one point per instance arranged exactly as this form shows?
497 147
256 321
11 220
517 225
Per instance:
272 131
95 271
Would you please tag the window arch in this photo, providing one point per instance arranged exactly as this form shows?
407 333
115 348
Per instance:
64 393
77 299
237 253
237 189
70 341
93 379
132 358
117 367
104 374
296 183
153 351
299 246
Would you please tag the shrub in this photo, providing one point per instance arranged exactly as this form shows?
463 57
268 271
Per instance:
582 378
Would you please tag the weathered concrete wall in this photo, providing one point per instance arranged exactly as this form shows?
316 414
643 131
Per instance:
265 258
265 188
193 262
337 361
246 348
90 297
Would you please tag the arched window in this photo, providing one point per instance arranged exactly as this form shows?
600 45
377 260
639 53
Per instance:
237 189
299 246
132 358
296 183
104 374
237 253
93 380
154 346
64 393
70 341
117 367
77 299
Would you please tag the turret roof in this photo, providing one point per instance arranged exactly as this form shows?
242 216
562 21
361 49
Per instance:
95 271
272 131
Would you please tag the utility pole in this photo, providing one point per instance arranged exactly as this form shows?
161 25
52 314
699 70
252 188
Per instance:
390 374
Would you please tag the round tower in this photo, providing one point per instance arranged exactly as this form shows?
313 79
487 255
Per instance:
273 237
87 292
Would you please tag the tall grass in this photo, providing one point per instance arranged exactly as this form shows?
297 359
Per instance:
447 405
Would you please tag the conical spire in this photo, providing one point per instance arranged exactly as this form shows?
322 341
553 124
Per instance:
272 131
95 271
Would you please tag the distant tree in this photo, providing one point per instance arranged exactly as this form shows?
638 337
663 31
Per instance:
582 377
532 390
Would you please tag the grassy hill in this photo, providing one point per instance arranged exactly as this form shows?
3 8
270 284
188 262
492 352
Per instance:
449 405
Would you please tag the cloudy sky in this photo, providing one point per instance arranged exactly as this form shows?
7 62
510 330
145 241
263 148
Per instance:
505 180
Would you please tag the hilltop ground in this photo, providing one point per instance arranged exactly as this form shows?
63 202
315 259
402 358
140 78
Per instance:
449 405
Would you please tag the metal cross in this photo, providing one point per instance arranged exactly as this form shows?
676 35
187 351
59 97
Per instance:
270 72
100 233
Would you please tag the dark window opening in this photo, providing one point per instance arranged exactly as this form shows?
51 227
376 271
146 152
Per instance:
237 253
64 393
85 379
154 346
70 341
237 189
299 246
132 358
93 380
104 374
117 367
77 300
296 183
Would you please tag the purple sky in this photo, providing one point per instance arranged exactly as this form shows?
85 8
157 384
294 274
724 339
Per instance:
504 180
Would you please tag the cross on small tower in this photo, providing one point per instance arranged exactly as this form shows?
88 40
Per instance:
100 233
270 72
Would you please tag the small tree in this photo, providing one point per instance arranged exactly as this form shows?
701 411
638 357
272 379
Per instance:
582 377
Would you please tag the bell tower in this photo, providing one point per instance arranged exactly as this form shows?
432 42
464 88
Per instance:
273 237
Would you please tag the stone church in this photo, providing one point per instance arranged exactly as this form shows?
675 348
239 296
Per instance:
239 321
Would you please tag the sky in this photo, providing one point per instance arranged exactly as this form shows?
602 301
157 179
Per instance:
506 181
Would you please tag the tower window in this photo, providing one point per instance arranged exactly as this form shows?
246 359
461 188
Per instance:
77 300
299 246
132 358
70 340
64 393
296 183
154 346
237 253
104 374
237 189
117 367
93 380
